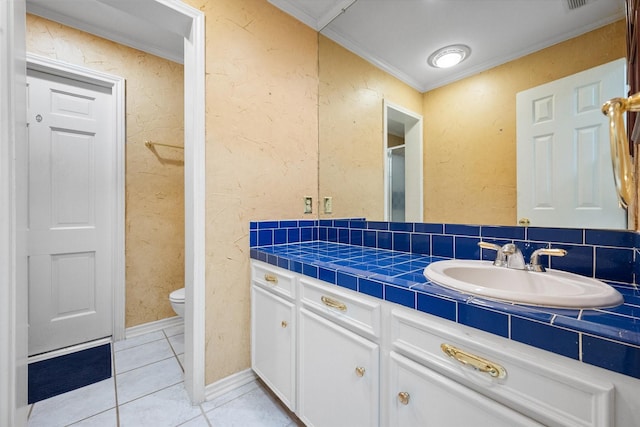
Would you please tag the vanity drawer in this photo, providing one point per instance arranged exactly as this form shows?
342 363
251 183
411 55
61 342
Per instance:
532 381
348 308
278 280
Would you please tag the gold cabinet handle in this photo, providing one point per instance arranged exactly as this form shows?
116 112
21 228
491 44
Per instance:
360 371
404 397
476 362
271 278
330 302
284 324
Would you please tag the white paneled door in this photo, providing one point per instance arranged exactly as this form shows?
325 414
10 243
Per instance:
71 213
565 177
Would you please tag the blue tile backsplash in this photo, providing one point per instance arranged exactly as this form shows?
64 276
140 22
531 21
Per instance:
386 260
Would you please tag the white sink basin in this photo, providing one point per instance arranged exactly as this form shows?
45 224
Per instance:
553 288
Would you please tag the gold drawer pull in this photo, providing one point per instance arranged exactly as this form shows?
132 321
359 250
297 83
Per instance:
404 397
284 324
360 371
476 362
271 278
330 302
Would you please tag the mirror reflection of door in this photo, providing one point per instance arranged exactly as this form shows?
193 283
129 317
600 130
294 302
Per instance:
403 167
564 158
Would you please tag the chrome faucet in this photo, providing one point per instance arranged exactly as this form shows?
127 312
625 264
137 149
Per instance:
501 259
534 261
514 256
508 255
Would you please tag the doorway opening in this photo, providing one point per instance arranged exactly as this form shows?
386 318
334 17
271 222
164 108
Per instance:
397 197
187 23
403 173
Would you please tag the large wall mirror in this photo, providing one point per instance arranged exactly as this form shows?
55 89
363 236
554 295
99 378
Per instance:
469 124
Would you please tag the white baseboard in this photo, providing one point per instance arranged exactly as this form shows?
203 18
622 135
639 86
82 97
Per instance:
158 325
228 384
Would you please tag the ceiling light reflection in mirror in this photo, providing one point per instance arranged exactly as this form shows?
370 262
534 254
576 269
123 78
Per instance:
449 56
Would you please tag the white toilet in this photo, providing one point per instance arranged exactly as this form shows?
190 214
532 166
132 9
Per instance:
177 301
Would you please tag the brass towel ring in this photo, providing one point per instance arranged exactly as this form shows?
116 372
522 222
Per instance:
623 175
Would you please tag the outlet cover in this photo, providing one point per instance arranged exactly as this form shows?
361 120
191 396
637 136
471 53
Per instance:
328 205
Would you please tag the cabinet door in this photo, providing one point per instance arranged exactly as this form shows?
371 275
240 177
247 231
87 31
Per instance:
421 397
339 375
273 343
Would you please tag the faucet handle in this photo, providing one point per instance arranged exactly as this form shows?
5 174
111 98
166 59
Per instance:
534 262
501 260
487 245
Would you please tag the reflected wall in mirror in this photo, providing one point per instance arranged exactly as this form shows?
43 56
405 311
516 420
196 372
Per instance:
351 147
469 129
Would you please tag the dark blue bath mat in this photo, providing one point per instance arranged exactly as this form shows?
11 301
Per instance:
61 374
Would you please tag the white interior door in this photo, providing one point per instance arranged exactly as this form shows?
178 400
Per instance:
564 160
70 192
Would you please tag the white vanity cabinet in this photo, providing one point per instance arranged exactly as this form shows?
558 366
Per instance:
273 331
339 367
339 358
339 374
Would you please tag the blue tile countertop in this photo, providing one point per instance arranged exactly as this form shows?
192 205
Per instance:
608 338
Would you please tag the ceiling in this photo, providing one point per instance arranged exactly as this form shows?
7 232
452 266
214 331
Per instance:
399 35
396 35
146 25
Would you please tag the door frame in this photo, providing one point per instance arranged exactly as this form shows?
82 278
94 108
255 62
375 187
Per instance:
13 261
117 108
13 301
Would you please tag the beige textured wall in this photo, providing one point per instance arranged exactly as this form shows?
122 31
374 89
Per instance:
154 188
470 129
262 153
351 129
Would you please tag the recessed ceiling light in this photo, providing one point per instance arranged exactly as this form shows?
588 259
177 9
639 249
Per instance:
449 56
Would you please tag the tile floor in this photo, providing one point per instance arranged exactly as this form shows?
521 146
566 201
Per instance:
147 390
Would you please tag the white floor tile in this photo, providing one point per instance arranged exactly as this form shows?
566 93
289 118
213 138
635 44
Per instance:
201 421
174 330
169 407
141 355
177 342
104 419
137 340
74 406
148 379
253 409
150 392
